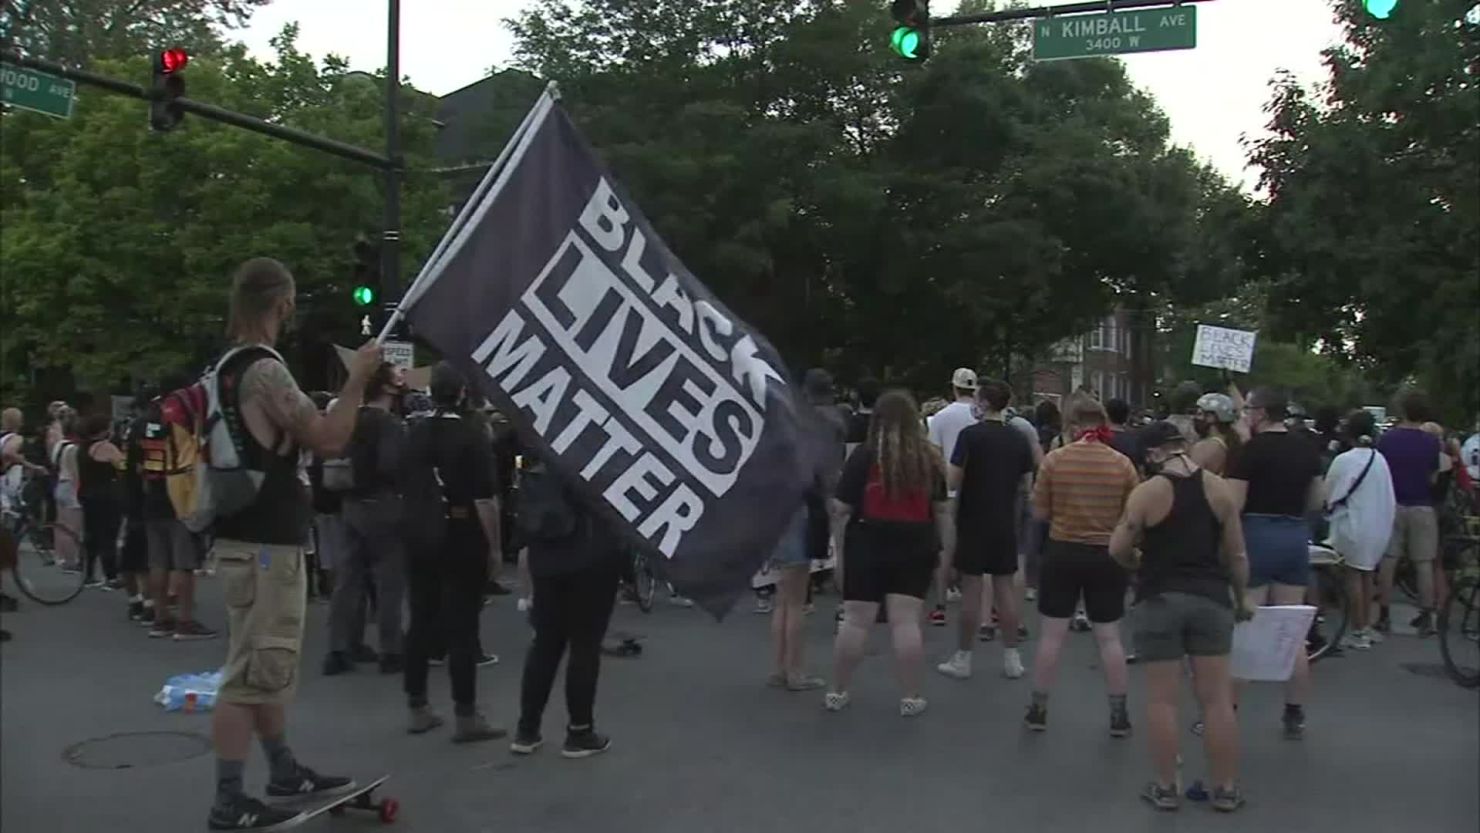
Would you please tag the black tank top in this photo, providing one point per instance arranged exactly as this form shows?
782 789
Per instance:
1180 554
283 510
99 481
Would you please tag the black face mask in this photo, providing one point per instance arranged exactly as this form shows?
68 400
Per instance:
1203 428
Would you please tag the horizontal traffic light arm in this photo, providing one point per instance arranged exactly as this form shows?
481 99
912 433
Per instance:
209 111
1055 11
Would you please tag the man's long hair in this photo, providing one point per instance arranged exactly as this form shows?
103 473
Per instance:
907 461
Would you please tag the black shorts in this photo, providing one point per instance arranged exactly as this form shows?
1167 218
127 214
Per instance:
1073 570
134 557
887 560
990 552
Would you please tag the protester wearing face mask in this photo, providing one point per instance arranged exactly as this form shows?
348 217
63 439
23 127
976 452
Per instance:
1218 442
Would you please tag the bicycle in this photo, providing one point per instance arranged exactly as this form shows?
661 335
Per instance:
645 581
1333 605
1459 621
38 574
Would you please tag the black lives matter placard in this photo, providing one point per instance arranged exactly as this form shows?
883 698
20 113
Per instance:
670 415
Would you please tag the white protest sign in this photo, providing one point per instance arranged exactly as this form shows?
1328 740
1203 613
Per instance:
402 354
1224 348
1264 648
417 378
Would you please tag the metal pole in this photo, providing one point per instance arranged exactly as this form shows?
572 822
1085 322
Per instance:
209 111
1054 11
390 247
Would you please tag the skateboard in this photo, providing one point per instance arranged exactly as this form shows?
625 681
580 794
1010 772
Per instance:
622 644
363 798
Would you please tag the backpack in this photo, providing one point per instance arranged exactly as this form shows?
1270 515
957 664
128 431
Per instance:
207 464
423 491
546 513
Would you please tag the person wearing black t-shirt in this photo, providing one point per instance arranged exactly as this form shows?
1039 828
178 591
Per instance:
451 528
988 468
891 502
1276 480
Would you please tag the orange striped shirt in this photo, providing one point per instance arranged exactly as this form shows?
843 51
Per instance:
1082 488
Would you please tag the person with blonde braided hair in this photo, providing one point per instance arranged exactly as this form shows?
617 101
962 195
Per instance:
891 500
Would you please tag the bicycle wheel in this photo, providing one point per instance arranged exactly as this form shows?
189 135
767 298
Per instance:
645 584
1459 634
1333 611
1405 578
39 574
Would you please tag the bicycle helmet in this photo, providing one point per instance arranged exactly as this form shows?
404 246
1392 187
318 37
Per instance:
1217 404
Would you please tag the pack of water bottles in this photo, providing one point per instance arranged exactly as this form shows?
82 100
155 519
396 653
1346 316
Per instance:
190 692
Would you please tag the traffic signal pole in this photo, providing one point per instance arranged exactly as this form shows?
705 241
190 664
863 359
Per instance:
1054 11
208 111
390 240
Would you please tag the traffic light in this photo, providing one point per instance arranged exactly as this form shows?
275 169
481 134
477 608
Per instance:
168 85
1380 9
910 39
366 287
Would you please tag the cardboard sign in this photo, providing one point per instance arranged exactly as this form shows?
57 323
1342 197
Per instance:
417 378
1223 348
1264 647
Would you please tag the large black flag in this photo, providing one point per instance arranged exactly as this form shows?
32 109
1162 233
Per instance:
669 414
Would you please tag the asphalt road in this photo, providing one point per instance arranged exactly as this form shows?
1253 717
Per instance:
702 745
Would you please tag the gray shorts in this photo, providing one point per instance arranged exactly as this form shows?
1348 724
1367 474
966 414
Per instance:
172 546
1415 534
1170 626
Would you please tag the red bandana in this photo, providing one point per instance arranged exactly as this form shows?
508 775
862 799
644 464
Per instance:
1102 434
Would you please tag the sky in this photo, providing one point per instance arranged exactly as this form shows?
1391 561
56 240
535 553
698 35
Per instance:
1214 95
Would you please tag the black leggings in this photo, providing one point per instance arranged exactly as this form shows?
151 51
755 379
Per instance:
100 521
569 611
445 591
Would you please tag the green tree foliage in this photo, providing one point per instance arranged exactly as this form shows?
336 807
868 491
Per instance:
1373 222
882 216
80 32
117 244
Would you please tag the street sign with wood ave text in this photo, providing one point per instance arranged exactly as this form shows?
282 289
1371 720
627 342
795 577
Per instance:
1114 33
36 91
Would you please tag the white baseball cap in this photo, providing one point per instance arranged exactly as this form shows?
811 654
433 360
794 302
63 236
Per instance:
964 378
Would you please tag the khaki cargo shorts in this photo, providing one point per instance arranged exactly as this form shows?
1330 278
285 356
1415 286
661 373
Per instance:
1415 534
265 590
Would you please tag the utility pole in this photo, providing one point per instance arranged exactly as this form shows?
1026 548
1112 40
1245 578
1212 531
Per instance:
390 245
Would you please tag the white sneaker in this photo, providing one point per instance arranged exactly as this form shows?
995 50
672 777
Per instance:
1357 640
522 604
1375 636
1012 664
952 595
1030 595
957 667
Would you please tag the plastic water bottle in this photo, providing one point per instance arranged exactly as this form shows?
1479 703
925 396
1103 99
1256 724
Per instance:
189 692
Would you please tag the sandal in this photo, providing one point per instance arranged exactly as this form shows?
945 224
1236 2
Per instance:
836 701
912 706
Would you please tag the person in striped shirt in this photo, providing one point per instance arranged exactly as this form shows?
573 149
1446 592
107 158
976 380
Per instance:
1081 491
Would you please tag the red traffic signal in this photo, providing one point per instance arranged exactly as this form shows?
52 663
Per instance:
173 60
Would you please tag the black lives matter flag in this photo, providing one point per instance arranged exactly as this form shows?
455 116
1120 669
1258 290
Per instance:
668 414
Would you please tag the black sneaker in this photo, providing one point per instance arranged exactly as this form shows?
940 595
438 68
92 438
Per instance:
585 744
246 813
1160 797
485 660
1120 723
189 630
1384 623
526 743
364 653
162 629
392 664
305 783
337 663
147 617
1037 718
1424 624
135 611
1294 723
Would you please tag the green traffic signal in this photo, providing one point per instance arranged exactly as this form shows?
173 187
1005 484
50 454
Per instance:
364 296
905 41
1380 9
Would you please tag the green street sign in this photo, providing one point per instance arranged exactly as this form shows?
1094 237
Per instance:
37 91
1114 33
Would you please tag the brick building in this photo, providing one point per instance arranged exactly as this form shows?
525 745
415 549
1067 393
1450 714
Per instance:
1113 360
